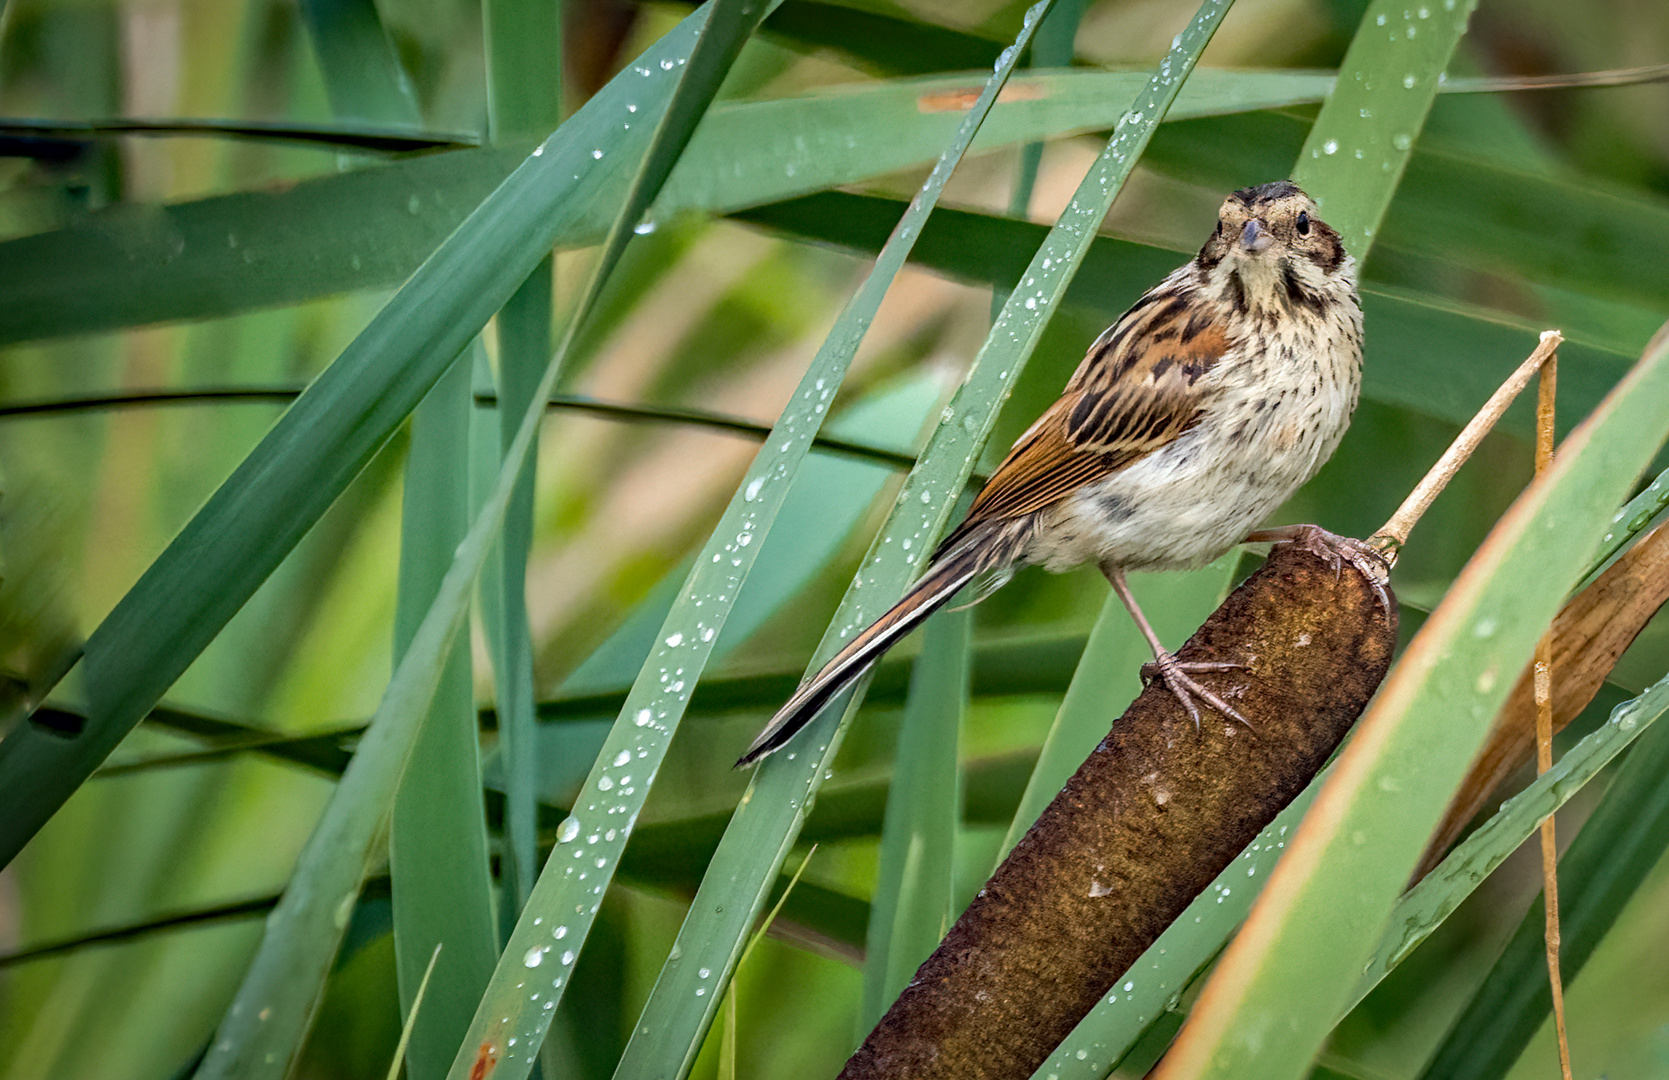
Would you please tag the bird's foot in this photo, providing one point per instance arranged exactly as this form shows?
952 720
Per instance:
1335 550
1174 673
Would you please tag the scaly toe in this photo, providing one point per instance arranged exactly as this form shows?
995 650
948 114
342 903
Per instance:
1373 567
1151 670
1174 674
1336 551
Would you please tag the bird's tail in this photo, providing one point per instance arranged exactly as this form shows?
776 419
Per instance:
942 581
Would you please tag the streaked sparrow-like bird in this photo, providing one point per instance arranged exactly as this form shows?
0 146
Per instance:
1192 417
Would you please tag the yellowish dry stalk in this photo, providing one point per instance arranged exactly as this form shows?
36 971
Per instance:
1543 689
1390 538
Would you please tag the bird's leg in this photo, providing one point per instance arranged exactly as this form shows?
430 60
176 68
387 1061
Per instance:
1336 550
1173 672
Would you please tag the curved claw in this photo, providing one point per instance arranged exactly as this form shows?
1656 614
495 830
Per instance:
1336 550
1174 674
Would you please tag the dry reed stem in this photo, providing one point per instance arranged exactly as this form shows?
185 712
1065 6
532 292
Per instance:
1390 538
1543 689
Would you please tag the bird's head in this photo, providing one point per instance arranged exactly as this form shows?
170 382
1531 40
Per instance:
1271 253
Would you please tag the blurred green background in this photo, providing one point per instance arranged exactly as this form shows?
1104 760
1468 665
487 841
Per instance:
1519 211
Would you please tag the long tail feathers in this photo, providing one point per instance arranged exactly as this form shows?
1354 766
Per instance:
941 582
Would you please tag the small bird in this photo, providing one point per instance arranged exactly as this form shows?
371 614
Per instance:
1196 414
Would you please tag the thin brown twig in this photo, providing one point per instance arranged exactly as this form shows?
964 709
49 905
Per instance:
1631 76
1390 538
1543 686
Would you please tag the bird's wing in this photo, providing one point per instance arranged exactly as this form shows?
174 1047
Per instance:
1140 387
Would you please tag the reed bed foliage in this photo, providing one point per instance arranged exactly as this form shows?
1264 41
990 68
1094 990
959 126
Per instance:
434 436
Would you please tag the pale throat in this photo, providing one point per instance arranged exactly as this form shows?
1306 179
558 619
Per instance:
1260 284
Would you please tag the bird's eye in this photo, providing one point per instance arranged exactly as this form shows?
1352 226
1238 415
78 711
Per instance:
1303 223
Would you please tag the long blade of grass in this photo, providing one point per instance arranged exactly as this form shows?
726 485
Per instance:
510 1023
524 341
911 907
437 838
524 44
1052 49
777 801
364 79
357 138
268 1019
318 446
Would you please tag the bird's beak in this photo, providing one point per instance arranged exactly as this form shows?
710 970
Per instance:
1255 236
